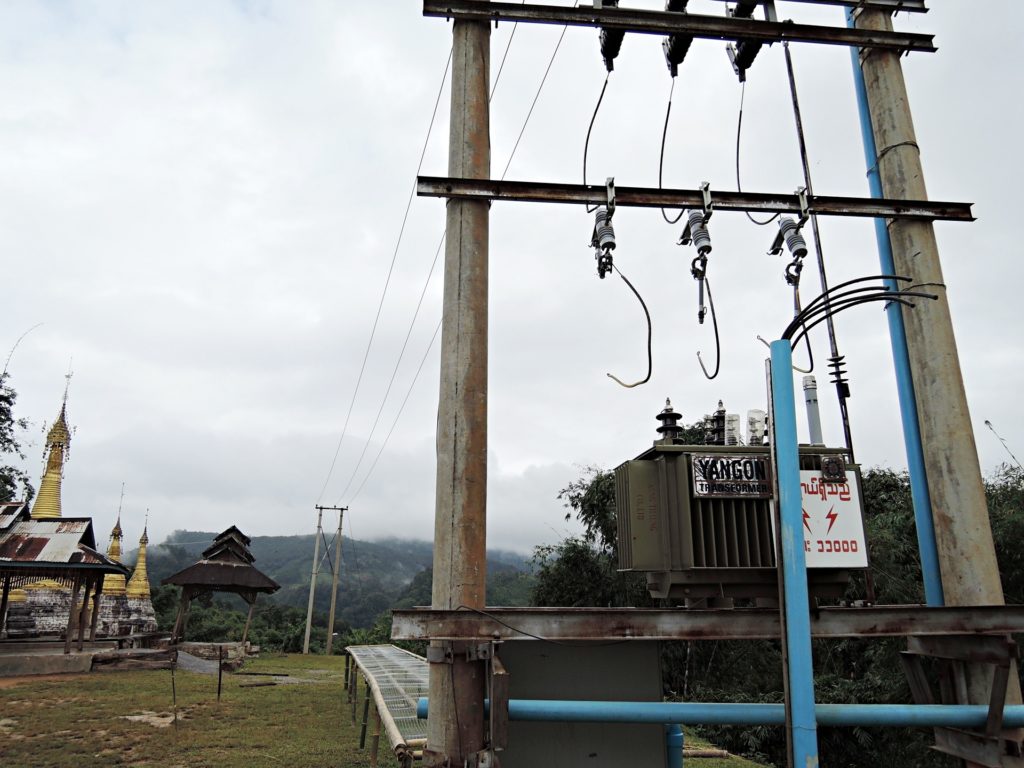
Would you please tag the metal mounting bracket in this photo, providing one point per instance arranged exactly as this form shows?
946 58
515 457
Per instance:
805 210
954 652
479 652
610 186
441 654
709 206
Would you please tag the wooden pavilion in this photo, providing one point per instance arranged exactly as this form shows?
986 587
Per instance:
226 566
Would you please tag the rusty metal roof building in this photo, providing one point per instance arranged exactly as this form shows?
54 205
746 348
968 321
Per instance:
62 549
53 548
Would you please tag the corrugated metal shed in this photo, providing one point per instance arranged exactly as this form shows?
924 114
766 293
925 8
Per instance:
52 548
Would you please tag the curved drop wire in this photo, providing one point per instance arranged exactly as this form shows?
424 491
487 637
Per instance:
650 365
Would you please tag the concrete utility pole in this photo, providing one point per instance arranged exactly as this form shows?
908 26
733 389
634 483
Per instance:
455 729
337 575
967 560
312 578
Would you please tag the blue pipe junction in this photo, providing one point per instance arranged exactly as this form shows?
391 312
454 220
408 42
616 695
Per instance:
972 716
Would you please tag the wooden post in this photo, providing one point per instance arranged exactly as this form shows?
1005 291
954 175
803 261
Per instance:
354 692
72 609
83 614
967 557
4 599
220 668
375 744
248 620
95 609
366 718
182 620
455 727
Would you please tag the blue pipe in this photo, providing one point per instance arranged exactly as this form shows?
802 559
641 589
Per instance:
673 746
901 360
797 630
696 713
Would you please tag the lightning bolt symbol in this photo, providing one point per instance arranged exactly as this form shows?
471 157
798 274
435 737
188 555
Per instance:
831 516
807 517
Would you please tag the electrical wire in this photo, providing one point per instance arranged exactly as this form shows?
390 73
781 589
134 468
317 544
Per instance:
822 297
394 372
387 281
586 144
807 327
1007 447
714 324
536 96
739 188
512 155
661 154
842 388
501 66
397 415
649 334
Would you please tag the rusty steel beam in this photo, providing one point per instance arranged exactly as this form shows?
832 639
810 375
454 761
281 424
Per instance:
893 6
651 197
666 23
602 624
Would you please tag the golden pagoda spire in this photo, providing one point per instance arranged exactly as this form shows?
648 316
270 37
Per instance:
138 584
114 583
58 448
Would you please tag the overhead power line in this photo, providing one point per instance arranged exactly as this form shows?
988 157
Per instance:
387 281
512 154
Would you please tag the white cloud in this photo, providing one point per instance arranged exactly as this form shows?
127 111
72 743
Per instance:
201 204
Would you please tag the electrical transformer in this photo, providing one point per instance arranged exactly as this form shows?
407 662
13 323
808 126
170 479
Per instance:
699 519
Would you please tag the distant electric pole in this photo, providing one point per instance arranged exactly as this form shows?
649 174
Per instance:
312 579
337 574
335 571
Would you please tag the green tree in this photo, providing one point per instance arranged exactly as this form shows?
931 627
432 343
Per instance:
14 482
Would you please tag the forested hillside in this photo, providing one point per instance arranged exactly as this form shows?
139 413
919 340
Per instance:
375 576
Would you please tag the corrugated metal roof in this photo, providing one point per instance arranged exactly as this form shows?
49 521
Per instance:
59 541
9 513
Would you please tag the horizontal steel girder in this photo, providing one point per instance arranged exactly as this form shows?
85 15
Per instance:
914 6
689 24
649 197
603 624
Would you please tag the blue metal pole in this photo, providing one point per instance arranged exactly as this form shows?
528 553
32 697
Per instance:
901 360
804 733
674 746
714 713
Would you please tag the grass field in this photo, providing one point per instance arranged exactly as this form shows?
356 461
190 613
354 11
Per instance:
127 718
82 720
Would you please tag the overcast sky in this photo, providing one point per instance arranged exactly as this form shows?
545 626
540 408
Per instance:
200 202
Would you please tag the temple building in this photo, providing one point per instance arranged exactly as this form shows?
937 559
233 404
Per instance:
126 608
42 607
